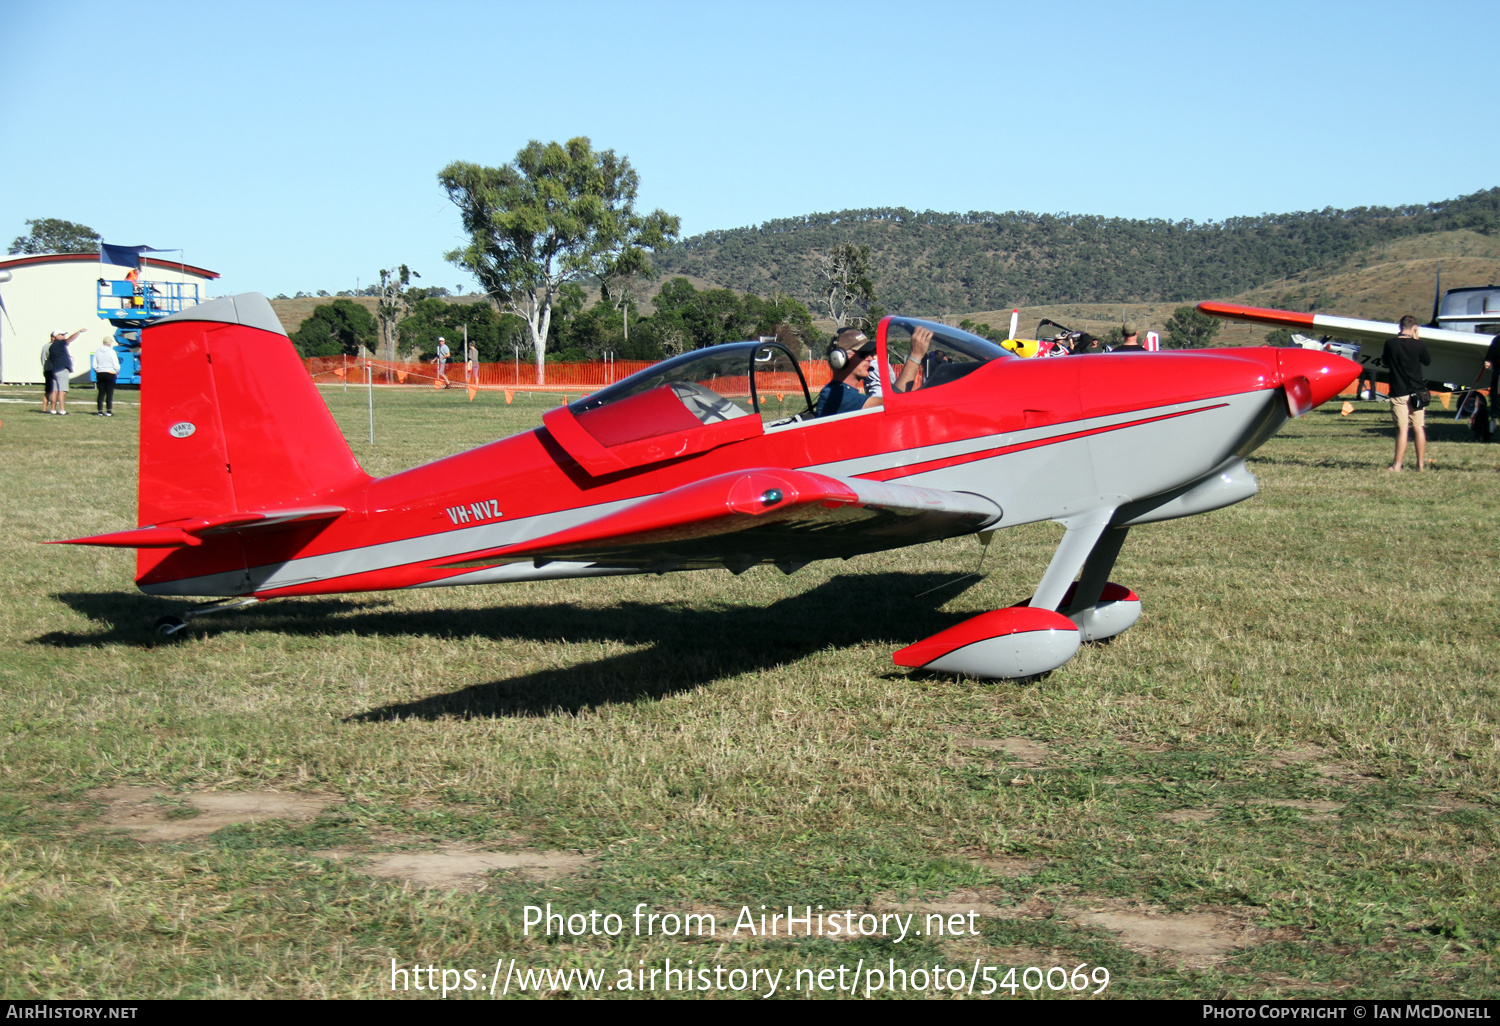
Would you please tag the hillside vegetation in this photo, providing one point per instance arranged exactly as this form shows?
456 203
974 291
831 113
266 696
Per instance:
1380 283
945 263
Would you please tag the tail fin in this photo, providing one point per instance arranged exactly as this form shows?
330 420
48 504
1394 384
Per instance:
230 420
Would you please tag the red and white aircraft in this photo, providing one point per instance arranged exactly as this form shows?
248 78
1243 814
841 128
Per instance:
248 490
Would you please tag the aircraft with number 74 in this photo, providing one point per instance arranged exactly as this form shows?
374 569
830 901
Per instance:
249 492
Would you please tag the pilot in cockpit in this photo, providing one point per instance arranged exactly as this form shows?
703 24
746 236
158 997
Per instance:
856 384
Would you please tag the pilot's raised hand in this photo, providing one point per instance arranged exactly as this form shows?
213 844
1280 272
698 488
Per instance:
921 338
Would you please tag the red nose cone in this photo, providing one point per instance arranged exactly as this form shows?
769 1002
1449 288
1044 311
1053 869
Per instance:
1327 374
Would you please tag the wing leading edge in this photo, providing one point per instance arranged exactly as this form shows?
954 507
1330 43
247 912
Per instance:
748 517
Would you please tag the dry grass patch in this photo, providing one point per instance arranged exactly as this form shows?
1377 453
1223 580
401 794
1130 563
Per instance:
464 867
1319 761
1204 937
1012 869
1023 752
1189 815
1301 805
151 815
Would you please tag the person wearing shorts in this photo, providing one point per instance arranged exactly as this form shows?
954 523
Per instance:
1404 357
58 370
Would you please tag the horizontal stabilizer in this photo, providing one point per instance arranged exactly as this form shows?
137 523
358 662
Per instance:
140 538
186 532
746 517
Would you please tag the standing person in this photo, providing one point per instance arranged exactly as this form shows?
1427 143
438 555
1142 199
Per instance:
106 369
471 364
58 369
1085 343
1131 343
1404 357
443 352
1492 364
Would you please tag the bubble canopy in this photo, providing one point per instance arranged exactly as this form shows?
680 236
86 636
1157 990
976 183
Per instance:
714 384
952 354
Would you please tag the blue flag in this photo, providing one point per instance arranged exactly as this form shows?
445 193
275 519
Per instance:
125 256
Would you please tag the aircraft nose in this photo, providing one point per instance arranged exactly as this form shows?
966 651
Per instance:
1327 374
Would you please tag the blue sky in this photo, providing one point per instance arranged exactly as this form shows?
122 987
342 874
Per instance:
296 146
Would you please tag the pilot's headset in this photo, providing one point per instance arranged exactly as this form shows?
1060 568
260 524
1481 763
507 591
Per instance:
838 357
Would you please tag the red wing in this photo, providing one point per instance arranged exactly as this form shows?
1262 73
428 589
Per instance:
768 515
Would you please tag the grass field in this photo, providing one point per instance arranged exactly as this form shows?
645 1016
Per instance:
1283 782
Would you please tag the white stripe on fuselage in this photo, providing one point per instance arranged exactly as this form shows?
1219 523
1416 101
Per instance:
386 555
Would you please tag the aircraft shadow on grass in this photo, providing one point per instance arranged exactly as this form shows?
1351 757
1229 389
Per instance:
677 647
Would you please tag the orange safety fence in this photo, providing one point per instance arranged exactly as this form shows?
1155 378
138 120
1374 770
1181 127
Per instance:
561 377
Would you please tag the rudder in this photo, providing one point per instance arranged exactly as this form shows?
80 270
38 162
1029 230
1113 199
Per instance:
230 420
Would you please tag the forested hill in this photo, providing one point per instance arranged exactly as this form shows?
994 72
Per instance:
934 263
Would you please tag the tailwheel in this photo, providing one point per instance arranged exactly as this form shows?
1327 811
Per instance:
170 625
167 626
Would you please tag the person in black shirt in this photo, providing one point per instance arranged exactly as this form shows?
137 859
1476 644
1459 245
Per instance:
1131 342
1492 364
1404 356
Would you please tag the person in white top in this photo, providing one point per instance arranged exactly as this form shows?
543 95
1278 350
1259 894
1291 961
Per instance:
106 369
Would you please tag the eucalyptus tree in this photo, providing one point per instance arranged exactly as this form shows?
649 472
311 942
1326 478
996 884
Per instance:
558 213
844 281
394 304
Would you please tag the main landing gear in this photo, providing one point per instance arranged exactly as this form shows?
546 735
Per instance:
1045 631
169 626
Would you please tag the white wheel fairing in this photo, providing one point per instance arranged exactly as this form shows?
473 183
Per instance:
1107 619
1024 654
1004 643
1116 611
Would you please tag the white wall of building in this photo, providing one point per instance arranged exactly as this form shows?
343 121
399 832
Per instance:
50 292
